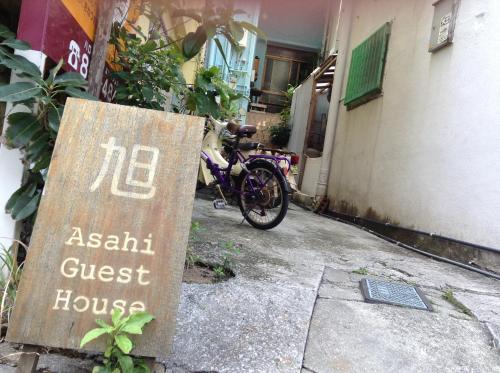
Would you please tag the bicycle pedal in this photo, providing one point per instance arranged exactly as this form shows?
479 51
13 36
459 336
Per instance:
220 204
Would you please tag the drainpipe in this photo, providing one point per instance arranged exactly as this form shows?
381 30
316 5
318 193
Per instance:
346 18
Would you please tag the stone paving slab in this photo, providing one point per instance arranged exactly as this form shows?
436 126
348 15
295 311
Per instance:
486 308
242 326
349 335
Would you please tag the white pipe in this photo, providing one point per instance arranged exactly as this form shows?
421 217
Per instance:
346 14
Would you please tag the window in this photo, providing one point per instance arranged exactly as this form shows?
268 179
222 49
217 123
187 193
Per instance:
366 73
283 66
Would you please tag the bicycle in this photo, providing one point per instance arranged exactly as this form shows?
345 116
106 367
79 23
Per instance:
259 181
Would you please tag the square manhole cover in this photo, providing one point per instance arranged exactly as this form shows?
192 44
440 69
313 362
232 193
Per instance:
375 291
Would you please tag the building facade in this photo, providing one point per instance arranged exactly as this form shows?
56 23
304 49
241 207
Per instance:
422 153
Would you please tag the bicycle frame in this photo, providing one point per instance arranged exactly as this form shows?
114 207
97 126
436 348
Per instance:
223 175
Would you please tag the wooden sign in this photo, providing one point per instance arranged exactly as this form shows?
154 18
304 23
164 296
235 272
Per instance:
112 227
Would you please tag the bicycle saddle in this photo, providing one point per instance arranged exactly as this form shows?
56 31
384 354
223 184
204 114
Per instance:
241 131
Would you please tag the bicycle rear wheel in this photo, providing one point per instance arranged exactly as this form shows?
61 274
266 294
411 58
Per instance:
263 198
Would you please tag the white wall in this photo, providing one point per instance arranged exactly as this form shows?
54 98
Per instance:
299 115
427 153
11 168
11 172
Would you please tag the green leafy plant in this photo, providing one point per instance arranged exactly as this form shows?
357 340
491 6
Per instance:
230 250
211 95
118 343
33 130
10 277
286 112
149 70
223 270
280 133
219 272
215 20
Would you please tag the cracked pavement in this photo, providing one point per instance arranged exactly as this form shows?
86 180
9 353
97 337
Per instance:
345 334
295 305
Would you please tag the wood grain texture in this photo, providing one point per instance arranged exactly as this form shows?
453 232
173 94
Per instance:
105 13
40 317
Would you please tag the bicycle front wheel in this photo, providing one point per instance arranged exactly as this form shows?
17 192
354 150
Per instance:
263 197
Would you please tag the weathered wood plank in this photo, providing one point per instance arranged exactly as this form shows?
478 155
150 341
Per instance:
112 227
29 359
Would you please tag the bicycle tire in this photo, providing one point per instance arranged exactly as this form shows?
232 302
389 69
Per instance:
281 182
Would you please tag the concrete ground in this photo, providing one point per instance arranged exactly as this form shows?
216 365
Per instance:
295 305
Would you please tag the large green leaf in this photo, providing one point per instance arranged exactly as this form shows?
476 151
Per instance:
91 335
193 42
221 50
135 323
54 116
126 364
43 162
70 79
38 148
206 105
124 343
149 46
22 65
5 33
17 123
147 92
27 134
116 316
254 29
22 211
141 367
104 325
16 44
27 189
78 93
18 91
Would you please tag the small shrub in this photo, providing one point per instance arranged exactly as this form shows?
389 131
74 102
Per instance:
119 345
280 134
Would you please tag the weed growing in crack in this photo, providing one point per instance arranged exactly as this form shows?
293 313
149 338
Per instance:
450 298
118 343
361 271
220 273
229 251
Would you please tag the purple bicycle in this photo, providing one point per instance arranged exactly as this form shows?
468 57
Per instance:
257 181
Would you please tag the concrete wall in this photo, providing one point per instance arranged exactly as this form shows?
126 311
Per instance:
427 153
263 121
299 115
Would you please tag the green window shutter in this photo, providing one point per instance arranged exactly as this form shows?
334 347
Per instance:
366 73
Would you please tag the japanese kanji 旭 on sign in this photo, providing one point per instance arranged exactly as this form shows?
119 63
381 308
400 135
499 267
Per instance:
112 227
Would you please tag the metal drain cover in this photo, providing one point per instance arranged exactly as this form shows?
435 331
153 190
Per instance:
394 293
